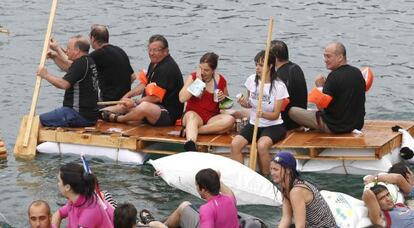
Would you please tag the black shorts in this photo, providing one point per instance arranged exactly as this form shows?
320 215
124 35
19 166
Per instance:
275 132
163 120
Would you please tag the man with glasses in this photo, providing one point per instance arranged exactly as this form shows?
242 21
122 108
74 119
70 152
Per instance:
377 200
81 88
159 104
114 68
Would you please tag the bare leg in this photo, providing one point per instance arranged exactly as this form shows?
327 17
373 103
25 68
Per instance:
146 110
237 144
192 121
174 219
116 108
243 113
263 146
218 124
307 118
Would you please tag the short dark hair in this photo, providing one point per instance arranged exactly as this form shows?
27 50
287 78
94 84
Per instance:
378 188
209 180
399 168
100 33
81 43
37 203
211 59
279 49
160 38
125 215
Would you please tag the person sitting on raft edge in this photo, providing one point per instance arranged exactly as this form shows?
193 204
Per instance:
271 128
344 89
159 87
202 113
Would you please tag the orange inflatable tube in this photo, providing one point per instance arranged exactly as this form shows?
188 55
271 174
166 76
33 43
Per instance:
368 76
285 103
320 99
153 90
142 77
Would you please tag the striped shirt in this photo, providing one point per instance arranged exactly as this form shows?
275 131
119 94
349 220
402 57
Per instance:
318 213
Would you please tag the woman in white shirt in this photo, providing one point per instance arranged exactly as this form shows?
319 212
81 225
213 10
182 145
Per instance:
270 129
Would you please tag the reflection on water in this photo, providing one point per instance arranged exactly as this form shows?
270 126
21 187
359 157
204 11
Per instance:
376 33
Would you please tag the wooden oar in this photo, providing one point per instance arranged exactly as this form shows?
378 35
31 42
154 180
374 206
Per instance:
253 151
26 141
104 103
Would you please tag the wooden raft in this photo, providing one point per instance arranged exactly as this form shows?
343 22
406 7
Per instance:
376 135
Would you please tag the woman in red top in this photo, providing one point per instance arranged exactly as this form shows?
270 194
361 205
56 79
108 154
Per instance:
202 113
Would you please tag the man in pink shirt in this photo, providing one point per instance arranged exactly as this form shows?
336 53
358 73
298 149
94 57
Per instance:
219 211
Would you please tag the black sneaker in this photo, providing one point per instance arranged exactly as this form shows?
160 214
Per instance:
190 146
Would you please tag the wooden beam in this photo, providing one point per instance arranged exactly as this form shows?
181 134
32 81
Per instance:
345 158
88 139
166 152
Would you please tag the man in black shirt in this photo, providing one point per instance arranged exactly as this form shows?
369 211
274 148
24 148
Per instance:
81 88
115 71
114 68
346 85
292 75
159 105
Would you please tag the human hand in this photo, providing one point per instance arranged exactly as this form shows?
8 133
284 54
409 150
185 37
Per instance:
260 114
53 44
128 103
320 80
244 102
51 54
368 179
220 95
198 73
42 72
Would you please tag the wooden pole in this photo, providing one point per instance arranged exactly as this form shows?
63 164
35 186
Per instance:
32 125
104 103
253 149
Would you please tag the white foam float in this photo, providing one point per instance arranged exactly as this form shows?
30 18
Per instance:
348 211
248 186
122 155
407 146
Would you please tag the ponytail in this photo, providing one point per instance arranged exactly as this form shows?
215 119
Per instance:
80 181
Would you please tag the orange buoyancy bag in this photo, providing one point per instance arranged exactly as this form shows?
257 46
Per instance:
317 97
285 103
142 77
153 90
368 77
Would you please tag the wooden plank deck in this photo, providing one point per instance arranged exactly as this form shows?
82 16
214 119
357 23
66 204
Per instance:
376 135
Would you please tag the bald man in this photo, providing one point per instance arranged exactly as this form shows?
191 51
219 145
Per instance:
39 214
81 88
346 85
114 69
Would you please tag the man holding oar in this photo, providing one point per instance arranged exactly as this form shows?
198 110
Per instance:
81 88
115 71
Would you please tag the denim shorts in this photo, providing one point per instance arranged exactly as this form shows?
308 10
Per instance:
65 117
